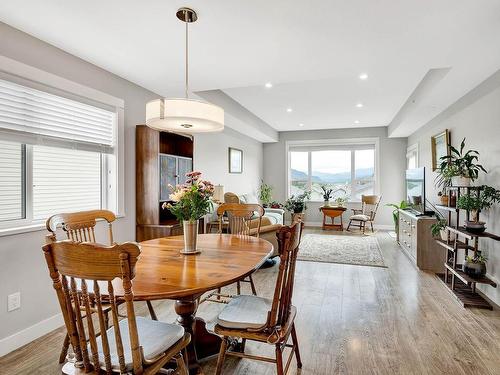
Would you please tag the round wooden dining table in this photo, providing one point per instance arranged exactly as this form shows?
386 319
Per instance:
162 272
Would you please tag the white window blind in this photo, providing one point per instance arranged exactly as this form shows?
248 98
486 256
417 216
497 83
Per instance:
65 180
27 110
11 181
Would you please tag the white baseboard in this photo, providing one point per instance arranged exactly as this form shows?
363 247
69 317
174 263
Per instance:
375 226
18 339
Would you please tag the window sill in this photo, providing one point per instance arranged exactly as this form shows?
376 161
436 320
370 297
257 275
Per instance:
31 228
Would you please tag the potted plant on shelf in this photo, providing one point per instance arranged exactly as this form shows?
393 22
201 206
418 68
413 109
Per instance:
275 204
460 166
265 194
443 181
327 194
340 201
475 203
296 205
189 203
475 266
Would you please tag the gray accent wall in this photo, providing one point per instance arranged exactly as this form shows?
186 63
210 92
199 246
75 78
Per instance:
392 167
476 116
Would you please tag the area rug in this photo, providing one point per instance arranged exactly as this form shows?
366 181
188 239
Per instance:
344 249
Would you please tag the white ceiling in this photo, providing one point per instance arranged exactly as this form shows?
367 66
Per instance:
312 52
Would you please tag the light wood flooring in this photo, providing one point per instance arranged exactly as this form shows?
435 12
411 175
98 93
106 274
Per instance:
351 320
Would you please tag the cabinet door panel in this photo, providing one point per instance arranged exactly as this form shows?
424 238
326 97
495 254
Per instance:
184 166
168 175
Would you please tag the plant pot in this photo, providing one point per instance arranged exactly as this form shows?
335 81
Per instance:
475 226
443 233
443 199
475 270
326 203
453 200
190 237
460 181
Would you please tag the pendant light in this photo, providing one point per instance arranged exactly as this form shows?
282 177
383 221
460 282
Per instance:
184 115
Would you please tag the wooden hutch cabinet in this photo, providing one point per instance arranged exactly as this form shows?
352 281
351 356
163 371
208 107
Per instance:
161 158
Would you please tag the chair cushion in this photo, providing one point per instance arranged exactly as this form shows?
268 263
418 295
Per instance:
360 217
154 337
244 312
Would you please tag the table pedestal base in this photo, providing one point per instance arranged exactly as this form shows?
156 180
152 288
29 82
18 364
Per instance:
203 343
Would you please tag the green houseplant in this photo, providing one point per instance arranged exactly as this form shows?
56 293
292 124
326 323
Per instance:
475 203
265 194
395 213
297 204
327 194
461 167
475 266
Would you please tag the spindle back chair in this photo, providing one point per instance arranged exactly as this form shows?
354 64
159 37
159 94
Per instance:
242 220
280 318
80 227
369 206
79 271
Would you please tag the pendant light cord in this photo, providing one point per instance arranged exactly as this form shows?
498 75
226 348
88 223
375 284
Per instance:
187 54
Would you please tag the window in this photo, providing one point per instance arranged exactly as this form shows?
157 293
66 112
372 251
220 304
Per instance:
56 155
412 157
348 169
11 181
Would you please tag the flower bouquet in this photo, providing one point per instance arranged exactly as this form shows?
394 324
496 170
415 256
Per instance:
189 203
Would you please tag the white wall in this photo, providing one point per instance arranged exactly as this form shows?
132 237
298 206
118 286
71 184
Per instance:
392 167
23 266
211 158
475 116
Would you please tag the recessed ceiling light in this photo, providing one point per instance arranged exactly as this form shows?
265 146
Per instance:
363 76
359 105
356 122
301 125
289 110
268 85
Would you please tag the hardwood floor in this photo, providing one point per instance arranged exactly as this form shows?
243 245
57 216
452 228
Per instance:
351 320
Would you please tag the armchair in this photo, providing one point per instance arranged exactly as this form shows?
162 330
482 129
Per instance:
369 206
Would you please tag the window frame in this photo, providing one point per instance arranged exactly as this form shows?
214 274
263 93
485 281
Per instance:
112 167
332 143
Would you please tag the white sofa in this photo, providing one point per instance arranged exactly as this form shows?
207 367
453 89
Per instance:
275 215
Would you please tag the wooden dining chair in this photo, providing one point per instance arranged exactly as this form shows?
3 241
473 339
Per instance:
369 206
260 319
80 227
243 220
134 345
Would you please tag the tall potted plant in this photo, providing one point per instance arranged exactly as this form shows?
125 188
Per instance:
395 213
191 201
462 167
265 194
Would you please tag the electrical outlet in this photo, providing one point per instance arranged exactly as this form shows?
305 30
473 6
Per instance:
14 301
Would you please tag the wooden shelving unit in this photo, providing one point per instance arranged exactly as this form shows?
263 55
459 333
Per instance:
462 285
